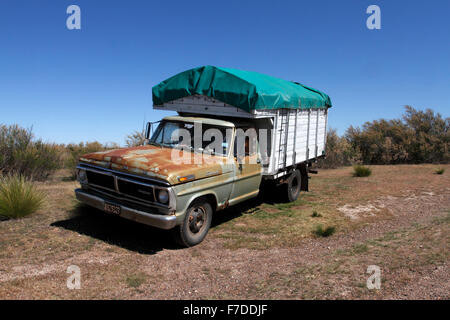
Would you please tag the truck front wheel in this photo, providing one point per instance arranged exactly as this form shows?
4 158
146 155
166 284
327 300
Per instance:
195 225
291 189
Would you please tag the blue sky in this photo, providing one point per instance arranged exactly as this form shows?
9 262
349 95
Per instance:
95 83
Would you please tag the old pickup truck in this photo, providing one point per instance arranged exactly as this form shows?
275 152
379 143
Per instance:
181 176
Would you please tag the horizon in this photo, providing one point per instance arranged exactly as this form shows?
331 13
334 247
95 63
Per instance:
94 84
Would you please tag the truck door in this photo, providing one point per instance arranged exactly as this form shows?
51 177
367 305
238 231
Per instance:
247 168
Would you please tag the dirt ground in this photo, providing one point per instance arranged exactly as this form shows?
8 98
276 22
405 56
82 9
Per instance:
397 219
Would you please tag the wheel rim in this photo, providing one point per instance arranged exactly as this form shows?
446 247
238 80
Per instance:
295 186
197 219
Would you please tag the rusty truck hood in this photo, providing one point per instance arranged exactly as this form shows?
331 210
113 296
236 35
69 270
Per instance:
157 162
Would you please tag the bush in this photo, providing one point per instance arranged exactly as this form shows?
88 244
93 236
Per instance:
429 135
439 171
339 152
419 137
361 171
22 155
321 232
316 215
18 197
75 151
137 138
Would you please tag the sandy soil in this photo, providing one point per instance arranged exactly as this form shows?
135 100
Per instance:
121 259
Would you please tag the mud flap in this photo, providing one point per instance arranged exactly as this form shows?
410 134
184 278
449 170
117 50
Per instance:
305 178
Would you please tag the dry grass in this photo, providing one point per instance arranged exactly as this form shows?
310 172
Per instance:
123 259
285 225
136 280
400 256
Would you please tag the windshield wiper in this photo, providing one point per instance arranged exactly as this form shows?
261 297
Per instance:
154 143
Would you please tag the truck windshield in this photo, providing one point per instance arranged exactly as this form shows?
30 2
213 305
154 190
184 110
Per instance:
178 134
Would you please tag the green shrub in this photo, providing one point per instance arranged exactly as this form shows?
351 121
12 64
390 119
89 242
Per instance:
136 280
321 232
22 155
339 152
18 197
75 151
418 137
38 161
315 214
439 171
361 171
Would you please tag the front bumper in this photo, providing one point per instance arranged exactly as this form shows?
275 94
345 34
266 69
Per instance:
155 220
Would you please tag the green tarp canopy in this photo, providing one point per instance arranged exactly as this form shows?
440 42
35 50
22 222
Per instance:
243 89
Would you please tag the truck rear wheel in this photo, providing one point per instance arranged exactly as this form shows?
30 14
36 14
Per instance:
291 189
195 225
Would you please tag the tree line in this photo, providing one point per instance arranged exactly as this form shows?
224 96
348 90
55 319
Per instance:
417 137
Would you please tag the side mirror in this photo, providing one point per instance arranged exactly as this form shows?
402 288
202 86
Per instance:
148 130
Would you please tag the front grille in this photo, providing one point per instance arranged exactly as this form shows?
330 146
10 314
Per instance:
118 185
128 202
101 180
136 190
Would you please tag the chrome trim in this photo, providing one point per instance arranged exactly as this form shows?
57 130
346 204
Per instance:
116 185
155 220
140 183
106 173
86 166
136 200
101 187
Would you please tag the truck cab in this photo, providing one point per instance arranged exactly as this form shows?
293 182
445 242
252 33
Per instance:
175 182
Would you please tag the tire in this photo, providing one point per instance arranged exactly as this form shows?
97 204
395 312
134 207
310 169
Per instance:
196 224
291 189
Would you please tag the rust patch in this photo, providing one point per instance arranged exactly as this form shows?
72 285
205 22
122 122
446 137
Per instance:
158 162
223 206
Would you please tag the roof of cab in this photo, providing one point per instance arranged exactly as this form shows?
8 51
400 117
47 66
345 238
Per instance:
215 122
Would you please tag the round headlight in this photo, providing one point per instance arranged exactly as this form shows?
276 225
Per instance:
163 196
82 177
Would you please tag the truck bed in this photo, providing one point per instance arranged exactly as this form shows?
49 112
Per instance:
296 135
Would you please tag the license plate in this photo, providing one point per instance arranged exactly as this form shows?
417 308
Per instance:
112 208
